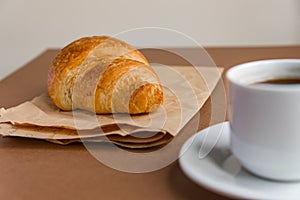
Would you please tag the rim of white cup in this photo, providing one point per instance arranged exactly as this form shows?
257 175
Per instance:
231 78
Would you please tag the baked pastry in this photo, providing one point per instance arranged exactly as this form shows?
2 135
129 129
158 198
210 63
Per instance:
103 75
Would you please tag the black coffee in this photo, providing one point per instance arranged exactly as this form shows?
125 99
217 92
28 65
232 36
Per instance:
283 81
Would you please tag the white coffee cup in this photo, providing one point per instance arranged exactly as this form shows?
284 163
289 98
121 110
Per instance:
265 119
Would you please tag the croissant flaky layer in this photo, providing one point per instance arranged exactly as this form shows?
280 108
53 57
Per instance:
103 75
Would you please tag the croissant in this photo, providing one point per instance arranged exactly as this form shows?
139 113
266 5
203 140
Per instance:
104 75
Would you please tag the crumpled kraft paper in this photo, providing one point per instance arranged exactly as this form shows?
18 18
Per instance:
185 91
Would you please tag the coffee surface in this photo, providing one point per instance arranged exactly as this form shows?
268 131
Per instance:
283 81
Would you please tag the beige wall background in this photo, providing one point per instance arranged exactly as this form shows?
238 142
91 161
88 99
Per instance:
30 26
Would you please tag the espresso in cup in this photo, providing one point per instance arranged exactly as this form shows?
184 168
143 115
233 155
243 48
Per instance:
281 81
265 117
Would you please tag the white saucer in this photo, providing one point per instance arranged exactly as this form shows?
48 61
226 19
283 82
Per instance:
206 159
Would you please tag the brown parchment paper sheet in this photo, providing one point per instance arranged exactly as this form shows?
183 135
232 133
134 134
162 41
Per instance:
185 91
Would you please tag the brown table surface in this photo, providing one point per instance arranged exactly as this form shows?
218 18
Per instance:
34 169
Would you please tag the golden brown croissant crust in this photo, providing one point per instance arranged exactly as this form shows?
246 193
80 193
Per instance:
103 75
